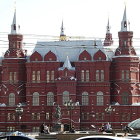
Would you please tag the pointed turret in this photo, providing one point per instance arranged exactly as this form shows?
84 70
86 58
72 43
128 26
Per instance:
125 23
14 26
108 39
62 35
125 38
15 41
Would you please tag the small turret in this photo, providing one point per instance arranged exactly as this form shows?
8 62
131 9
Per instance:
108 39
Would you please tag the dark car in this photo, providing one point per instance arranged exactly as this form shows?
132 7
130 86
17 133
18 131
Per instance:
16 138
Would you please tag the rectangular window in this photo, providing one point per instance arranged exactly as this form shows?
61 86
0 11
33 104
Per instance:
52 76
82 116
82 75
85 116
36 59
8 117
66 73
125 116
102 75
87 75
99 116
35 116
122 75
35 129
38 116
127 75
38 76
48 76
47 116
97 75
10 77
15 76
33 76
10 129
11 117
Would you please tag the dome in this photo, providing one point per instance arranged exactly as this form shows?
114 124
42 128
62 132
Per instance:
135 124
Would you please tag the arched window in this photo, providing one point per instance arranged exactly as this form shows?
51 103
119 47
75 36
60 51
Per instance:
125 98
11 99
50 98
66 97
100 98
85 98
35 99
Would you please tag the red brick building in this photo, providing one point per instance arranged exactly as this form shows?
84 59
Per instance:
85 71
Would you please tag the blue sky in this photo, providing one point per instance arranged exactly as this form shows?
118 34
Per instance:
81 17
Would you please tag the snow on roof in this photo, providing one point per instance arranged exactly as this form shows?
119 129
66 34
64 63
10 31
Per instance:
67 65
72 49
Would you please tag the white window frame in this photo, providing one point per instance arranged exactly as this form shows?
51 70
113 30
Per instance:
85 98
35 99
100 98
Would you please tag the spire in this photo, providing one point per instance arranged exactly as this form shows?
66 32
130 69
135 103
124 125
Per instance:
14 26
62 35
62 30
125 23
108 27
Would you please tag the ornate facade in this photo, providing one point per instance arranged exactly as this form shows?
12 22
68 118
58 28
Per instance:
103 84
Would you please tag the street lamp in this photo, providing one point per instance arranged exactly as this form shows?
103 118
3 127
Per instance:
19 111
109 110
70 106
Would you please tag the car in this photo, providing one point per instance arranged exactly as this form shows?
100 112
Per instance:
102 138
18 137
134 138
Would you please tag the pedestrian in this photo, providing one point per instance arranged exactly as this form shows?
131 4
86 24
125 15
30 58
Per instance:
46 129
72 129
108 128
102 129
42 128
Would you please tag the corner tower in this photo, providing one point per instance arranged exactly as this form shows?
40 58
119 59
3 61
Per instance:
14 69
125 68
15 41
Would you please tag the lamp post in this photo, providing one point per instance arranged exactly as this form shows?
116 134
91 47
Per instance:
109 110
19 111
70 106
